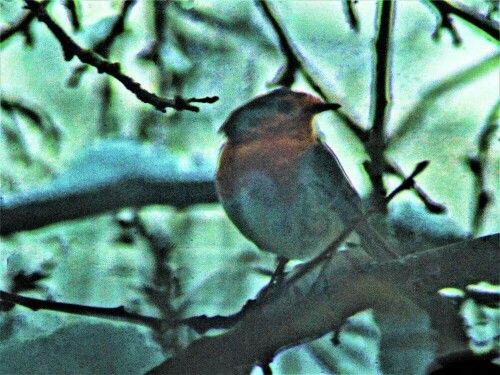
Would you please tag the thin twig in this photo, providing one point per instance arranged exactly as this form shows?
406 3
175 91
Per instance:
445 8
350 12
200 324
22 25
409 181
73 12
104 45
445 22
292 64
431 205
381 99
477 164
71 49
70 308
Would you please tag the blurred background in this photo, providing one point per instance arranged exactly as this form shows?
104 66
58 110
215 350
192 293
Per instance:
67 128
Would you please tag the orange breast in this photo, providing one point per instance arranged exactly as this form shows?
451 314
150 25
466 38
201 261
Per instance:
276 157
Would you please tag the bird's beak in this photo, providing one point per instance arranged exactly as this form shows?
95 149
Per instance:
322 107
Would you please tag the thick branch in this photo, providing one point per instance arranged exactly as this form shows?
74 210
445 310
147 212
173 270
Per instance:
319 301
71 49
97 183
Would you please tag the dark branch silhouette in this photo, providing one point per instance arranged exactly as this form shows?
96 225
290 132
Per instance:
381 99
477 164
74 16
71 49
116 313
431 205
409 181
445 9
351 15
21 26
103 46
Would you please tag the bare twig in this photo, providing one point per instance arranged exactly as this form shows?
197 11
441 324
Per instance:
71 49
22 25
431 205
153 51
161 289
200 324
350 12
409 181
445 22
381 99
477 164
71 308
446 8
292 64
73 12
103 46
38 116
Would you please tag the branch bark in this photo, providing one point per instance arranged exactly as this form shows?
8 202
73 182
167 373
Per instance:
314 303
71 49
108 177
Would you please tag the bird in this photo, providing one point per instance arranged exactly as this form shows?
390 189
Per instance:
281 185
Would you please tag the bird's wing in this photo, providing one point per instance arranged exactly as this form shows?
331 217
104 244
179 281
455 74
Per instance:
329 174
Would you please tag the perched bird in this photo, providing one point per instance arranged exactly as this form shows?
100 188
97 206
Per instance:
282 187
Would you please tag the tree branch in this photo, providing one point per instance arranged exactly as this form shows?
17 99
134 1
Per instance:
350 12
96 184
335 290
115 313
22 25
381 99
477 164
430 204
73 14
445 8
71 49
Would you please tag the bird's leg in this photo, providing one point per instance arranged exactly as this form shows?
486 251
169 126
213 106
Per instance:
277 276
279 273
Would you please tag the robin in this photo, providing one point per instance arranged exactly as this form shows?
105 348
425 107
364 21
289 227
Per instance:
282 187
